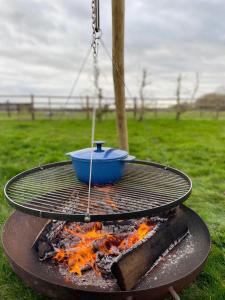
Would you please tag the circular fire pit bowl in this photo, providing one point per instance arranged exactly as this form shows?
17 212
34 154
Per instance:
53 191
177 269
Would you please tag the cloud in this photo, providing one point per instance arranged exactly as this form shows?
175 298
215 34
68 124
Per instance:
44 42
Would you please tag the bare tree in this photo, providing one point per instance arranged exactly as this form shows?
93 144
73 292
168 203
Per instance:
144 83
196 87
178 92
220 90
99 112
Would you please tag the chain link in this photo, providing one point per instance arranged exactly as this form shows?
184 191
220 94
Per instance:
95 37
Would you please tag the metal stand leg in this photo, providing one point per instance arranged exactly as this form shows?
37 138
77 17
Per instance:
174 293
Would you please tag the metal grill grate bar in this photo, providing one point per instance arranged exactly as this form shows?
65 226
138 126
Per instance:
53 191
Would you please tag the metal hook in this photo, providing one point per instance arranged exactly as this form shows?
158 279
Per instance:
97 17
87 218
98 34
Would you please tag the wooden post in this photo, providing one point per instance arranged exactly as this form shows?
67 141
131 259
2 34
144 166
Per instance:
87 108
8 108
178 91
32 107
49 107
135 107
217 109
118 70
156 109
18 109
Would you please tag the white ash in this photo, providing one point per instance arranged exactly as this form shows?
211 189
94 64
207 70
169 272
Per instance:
174 258
165 253
89 279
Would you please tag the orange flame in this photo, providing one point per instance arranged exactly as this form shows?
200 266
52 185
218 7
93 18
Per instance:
137 236
108 200
91 239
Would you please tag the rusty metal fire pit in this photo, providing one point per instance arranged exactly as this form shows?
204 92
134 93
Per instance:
179 268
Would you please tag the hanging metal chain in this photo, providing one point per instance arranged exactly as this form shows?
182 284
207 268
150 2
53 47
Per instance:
96 35
96 31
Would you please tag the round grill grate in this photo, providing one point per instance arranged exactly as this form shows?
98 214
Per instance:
53 191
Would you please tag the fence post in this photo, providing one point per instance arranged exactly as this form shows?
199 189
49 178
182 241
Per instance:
135 107
142 108
87 108
32 107
8 108
178 111
217 109
156 109
178 92
49 107
18 109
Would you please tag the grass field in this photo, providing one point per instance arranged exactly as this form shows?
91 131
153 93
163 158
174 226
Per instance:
195 146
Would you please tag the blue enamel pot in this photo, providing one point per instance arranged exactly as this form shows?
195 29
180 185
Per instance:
107 164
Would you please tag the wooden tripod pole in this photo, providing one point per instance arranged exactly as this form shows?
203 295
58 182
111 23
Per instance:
118 7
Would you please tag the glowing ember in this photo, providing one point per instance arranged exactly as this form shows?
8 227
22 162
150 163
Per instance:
108 200
88 240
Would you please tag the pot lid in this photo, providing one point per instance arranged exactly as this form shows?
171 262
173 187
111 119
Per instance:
99 153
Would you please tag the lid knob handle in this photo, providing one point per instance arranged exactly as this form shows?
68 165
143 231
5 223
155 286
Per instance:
99 145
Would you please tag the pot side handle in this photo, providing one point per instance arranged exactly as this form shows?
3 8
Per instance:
68 153
129 158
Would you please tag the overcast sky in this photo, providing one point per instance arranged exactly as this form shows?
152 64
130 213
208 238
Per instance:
43 43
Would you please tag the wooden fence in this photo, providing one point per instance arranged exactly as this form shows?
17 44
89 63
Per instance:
50 105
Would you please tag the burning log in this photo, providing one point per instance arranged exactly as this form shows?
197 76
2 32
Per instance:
43 241
131 265
103 264
52 228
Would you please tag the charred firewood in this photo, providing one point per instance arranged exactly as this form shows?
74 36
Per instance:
103 263
52 228
43 243
91 226
130 266
108 242
85 268
41 233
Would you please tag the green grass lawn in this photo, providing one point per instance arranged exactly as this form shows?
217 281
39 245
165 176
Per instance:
195 146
